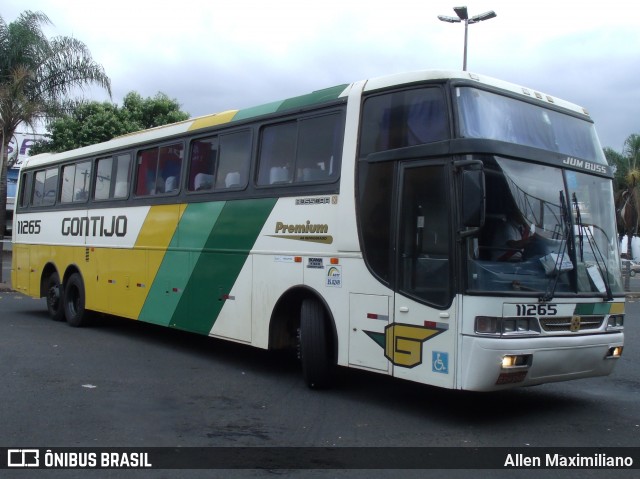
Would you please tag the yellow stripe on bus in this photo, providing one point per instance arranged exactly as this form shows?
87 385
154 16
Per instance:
617 308
211 120
132 271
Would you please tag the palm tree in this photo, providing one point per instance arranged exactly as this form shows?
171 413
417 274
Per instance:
632 150
629 199
38 77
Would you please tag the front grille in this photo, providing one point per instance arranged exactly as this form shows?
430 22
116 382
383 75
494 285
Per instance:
560 324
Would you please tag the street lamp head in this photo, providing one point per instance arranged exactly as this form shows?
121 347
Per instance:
461 12
445 18
483 16
463 16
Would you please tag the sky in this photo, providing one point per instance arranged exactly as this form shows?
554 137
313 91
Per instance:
213 56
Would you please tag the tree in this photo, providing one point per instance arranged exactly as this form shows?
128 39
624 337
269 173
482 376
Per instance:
619 164
632 150
38 77
151 112
95 122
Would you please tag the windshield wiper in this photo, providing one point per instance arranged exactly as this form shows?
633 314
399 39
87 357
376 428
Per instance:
601 263
574 198
567 245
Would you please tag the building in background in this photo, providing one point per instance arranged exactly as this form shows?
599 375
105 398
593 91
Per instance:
19 148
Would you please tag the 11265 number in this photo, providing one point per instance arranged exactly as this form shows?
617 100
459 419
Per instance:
536 309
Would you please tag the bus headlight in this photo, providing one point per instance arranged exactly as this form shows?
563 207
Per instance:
507 326
487 325
614 353
511 361
615 321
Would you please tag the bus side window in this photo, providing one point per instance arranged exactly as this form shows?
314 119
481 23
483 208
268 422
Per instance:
50 187
403 118
424 241
146 176
202 163
158 170
123 163
169 168
45 186
106 170
318 148
103 178
75 182
235 155
68 176
82 182
375 201
305 150
277 153
426 117
24 182
37 194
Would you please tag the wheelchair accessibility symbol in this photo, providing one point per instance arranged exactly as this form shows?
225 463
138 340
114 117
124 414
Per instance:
440 362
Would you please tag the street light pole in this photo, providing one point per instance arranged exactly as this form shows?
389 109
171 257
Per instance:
464 57
463 15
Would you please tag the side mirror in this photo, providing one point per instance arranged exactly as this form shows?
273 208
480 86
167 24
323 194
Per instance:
472 198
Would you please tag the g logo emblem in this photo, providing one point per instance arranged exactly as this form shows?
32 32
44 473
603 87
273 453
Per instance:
575 324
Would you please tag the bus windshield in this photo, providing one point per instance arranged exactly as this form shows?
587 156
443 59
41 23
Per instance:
488 115
548 231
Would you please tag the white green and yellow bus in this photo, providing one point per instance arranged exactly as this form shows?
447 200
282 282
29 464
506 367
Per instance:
359 225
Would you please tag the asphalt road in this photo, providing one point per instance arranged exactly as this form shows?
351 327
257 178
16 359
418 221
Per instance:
122 383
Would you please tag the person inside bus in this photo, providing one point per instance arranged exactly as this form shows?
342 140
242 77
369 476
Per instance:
511 235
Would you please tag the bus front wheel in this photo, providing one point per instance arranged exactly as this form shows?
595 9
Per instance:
315 345
73 302
53 291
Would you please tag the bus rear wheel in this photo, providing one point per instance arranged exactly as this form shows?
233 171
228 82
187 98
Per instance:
53 291
74 300
316 352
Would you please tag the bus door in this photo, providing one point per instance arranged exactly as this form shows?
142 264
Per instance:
368 324
421 340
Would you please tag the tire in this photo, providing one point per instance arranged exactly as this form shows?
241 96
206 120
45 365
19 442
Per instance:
53 292
74 301
632 273
316 352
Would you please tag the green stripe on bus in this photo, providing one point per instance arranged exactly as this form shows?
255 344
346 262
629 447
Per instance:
319 96
257 111
316 97
592 308
183 252
218 266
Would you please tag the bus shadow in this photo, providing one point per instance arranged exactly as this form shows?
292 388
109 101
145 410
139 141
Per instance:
450 406
463 408
228 353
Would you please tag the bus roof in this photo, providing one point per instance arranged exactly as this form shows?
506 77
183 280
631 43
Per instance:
420 76
313 98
